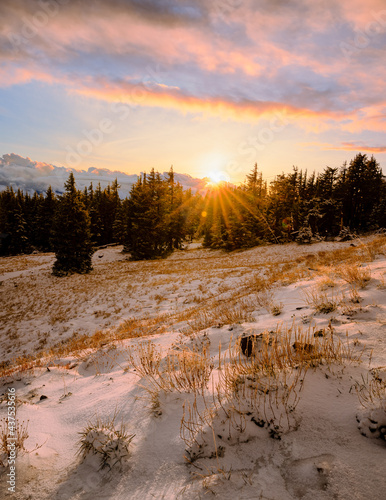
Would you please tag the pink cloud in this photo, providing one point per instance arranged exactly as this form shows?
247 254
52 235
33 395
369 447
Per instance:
362 14
352 146
11 75
345 146
255 56
132 95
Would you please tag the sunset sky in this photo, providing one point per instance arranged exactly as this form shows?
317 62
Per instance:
204 85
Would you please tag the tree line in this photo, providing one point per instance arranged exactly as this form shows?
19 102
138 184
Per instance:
297 206
159 215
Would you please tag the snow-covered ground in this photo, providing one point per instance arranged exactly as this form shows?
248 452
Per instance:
183 309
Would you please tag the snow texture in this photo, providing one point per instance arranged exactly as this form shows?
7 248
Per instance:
321 455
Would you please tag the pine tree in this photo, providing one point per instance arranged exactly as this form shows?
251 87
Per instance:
120 223
45 220
175 216
19 237
71 238
360 189
140 229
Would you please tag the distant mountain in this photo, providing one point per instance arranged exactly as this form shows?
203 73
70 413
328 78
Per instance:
31 176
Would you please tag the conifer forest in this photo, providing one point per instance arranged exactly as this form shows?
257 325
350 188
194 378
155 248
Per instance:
159 215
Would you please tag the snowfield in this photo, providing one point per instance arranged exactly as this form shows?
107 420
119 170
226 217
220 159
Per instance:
155 347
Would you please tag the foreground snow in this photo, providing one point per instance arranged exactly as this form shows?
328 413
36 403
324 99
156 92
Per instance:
321 455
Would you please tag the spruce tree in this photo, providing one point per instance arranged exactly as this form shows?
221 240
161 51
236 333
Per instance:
19 236
45 218
71 238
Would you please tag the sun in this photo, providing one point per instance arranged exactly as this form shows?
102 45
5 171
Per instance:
216 178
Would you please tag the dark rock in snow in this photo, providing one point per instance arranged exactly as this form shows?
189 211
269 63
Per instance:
248 344
303 346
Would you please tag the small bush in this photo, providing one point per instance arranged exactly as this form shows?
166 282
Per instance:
21 432
320 301
304 235
354 274
346 234
372 396
183 371
105 440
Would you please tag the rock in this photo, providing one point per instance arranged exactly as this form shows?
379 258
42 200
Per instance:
259 422
372 423
248 344
43 397
303 346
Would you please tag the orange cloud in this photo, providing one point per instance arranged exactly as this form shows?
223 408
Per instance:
257 60
351 146
126 96
345 146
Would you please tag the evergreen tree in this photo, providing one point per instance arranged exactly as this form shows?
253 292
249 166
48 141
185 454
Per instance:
13 223
71 238
142 232
120 223
19 238
194 213
361 190
45 220
176 217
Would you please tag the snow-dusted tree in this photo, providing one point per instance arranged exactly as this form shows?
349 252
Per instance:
71 238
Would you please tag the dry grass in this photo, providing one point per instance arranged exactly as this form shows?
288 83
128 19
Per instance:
20 365
372 396
293 348
21 435
183 371
372 393
58 301
382 282
354 274
370 249
257 283
262 390
23 262
108 442
327 278
235 310
322 302
355 298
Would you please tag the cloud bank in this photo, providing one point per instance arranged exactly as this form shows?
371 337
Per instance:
319 64
30 176
229 57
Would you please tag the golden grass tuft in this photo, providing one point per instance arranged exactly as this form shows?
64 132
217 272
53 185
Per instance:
321 301
180 371
104 439
261 390
21 433
354 274
372 392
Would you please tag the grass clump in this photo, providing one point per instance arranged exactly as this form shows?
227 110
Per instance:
259 390
21 435
321 301
354 274
372 396
180 371
103 439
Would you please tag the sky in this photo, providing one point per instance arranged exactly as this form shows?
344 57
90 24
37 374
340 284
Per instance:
208 87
